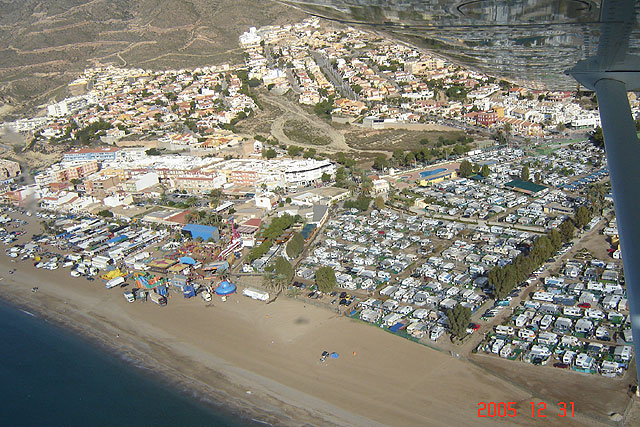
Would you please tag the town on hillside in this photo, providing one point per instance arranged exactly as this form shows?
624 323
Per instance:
492 232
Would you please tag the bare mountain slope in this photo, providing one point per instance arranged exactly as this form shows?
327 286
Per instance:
44 44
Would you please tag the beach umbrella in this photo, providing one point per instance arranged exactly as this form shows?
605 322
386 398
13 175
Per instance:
334 355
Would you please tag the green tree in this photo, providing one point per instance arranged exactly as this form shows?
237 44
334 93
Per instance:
555 239
269 154
309 153
325 279
466 169
106 213
295 246
459 318
566 230
326 178
324 108
294 150
485 171
524 175
341 177
597 137
380 162
361 203
379 203
582 217
398 157
409 158
284 269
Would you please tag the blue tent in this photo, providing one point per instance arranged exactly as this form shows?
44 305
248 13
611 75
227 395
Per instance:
187 260
225 288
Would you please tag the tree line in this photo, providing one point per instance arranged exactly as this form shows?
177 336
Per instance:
504 279
275 229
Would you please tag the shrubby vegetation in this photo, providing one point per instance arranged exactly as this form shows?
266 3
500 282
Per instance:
275 229
361 203
295 246
504 279
459 318
325 279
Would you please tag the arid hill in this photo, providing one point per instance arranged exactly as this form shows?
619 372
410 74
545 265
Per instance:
44 44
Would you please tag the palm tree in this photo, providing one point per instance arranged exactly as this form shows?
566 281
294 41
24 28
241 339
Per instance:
275 282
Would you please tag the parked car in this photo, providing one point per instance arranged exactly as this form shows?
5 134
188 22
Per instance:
584 305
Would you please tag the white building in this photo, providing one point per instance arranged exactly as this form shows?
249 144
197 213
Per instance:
307 171
266 200
142 182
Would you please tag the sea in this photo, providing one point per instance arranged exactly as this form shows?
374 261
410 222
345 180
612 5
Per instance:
51 377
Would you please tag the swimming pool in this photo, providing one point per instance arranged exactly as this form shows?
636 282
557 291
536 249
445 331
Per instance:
432 172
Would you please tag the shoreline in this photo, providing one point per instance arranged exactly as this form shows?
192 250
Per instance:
218 352
264 408
205 395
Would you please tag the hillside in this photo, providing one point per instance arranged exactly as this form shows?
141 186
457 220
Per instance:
44 44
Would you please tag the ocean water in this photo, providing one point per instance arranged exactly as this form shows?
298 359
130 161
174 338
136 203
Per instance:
50 377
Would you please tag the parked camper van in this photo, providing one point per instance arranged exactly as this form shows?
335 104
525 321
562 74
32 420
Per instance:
206 296
256 294
129 296
158 299
546 322
436 333
504 330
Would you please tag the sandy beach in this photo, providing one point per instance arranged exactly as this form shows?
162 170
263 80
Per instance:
264 358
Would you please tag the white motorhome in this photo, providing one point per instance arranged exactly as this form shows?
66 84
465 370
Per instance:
256 294
436 333
504 330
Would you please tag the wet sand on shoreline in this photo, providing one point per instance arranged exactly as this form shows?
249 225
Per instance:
272 351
